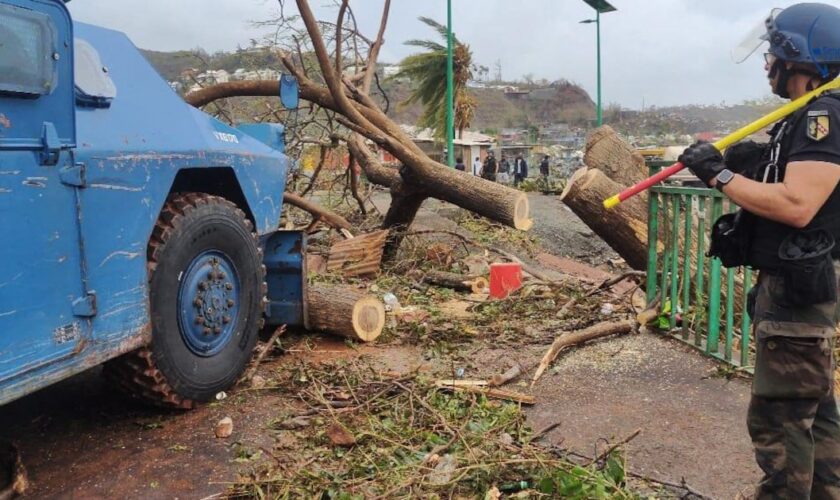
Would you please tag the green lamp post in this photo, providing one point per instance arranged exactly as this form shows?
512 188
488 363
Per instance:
601 7
450 98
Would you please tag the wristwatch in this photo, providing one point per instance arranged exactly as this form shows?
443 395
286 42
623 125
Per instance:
723 178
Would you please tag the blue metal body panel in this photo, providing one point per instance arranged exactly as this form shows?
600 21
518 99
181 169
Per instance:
271 134
285 263
73 277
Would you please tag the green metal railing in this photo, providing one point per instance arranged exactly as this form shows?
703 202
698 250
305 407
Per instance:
702 303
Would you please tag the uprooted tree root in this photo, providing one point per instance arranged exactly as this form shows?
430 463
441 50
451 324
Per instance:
402 437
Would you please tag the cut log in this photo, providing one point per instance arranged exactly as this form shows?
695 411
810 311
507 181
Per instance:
605 151
345 311
457 282
623 228
569 339
358 256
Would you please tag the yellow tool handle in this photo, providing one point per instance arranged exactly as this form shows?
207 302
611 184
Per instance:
724 143
775 116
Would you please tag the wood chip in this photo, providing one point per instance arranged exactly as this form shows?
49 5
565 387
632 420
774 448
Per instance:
339 436
224 428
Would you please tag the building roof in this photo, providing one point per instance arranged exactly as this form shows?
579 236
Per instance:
468 137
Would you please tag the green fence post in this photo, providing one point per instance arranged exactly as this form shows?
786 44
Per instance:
745 319
699 290
653 229
713 337
686 289
675 261
666 255
730 313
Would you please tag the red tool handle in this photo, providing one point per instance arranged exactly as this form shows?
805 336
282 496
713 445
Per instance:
641 186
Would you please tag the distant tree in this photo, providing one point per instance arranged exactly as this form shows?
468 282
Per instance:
427 70
528 78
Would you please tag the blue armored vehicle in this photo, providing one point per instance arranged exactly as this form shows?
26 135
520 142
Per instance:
137 231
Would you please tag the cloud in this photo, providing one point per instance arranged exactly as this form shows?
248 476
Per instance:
660 52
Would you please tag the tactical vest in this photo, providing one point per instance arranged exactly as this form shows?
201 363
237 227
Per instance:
767 235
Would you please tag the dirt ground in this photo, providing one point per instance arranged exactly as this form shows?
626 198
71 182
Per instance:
79 439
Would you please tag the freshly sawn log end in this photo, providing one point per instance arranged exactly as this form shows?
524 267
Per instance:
345 311
368 318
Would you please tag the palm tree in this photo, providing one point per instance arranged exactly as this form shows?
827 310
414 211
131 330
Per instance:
428 72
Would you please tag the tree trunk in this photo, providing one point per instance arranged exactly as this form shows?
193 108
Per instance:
344 311
605 151
623 228
457 282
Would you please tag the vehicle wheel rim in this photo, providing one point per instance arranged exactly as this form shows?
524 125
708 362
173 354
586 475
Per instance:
208 303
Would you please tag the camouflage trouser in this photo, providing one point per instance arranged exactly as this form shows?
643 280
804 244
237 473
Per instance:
793 418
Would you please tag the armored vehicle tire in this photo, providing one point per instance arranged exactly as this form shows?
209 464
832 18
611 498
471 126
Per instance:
206 289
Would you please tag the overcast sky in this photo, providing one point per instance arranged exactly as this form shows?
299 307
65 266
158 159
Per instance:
656 52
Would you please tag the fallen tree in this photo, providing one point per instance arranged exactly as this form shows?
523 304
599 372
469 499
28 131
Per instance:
419 176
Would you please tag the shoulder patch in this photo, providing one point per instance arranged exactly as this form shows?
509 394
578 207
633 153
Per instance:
819 125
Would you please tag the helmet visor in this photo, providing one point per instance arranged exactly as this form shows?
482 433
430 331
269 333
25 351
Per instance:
754 39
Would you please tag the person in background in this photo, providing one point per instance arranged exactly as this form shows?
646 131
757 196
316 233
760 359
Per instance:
459 164
520 170
545 169
503 175
490 168
476 167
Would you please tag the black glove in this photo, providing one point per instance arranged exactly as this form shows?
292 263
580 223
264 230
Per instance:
744 157
704 161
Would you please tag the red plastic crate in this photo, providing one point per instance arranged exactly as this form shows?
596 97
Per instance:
504 279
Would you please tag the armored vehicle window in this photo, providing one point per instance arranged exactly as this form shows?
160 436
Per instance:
93 84
27 52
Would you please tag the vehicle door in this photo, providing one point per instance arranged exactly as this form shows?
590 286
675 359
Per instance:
44 310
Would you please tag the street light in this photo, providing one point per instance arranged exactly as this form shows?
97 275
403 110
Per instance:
600 6
450 98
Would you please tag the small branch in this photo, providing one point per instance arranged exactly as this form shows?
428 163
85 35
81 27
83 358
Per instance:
612 448
269 346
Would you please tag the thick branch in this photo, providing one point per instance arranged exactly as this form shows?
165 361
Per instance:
317 211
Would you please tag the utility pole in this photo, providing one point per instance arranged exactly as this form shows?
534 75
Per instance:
450 98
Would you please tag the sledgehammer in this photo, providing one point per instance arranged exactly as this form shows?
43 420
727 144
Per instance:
724 143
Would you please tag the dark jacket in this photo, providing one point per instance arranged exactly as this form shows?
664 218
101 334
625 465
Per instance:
544 168
521 167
